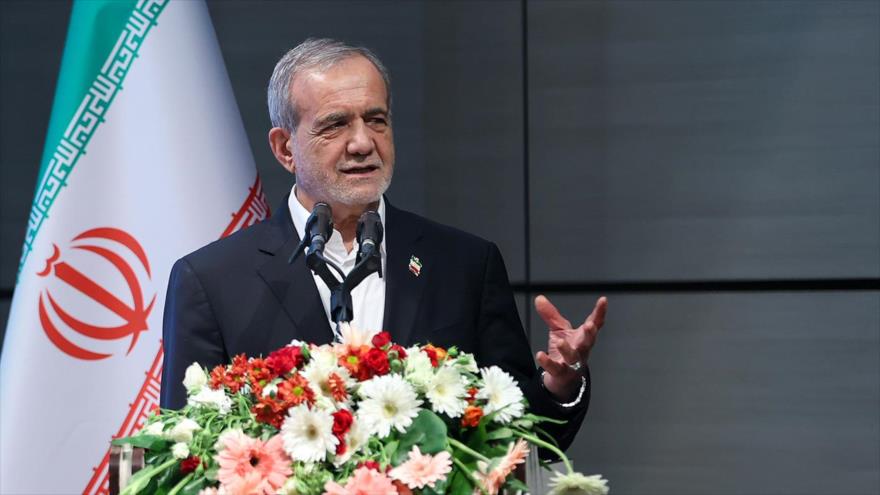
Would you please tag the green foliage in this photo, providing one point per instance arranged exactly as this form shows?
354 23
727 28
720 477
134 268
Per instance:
427 431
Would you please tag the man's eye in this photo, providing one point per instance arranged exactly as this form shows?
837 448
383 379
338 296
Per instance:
378 121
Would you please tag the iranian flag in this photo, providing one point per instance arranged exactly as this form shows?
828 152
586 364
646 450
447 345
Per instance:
145 160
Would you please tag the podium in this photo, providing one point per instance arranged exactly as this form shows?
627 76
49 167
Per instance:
124 462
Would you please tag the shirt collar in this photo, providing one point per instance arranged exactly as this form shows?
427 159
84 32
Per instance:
300 217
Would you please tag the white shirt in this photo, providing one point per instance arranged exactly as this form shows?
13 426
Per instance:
368 298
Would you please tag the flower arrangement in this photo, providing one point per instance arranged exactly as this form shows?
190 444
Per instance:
365 416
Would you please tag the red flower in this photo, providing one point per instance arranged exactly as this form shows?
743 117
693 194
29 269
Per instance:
437 353
269 411
381 339
370 465
471 417
353 361
189 464
259 374
337 387
472 395
401 353
377 361
285 359
432 353
218 377
235 377
295 390
342 420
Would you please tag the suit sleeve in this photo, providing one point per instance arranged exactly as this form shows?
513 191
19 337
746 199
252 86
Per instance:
189 333
503 342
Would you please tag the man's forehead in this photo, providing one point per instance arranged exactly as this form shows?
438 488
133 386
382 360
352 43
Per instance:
354 70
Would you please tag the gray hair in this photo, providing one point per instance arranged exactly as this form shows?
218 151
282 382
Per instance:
312 53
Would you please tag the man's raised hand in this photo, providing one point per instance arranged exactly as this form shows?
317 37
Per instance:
567 348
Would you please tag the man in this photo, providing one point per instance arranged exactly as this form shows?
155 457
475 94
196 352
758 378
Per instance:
330 108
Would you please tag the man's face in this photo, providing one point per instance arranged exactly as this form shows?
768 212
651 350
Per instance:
343 148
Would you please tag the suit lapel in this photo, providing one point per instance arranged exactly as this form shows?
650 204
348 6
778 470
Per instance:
292 284
403 288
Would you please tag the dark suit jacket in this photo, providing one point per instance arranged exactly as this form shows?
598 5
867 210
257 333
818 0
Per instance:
239 295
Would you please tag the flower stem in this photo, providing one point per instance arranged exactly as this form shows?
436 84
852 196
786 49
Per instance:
467 450
148 473
541 443
467 472
179 486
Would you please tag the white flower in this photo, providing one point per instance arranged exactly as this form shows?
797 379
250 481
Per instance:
290 487
466 362
183 430
322 364
355 439
155 429
389 402
308 435
355 337
214 399
578 484
446 391
418 369
180 450
502 393
194 378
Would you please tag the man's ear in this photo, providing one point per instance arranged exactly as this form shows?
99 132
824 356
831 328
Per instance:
279 143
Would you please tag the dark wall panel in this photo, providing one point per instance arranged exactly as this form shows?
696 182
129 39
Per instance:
31 40
704 140
732 393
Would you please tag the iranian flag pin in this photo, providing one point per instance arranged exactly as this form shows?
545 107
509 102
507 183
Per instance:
415 266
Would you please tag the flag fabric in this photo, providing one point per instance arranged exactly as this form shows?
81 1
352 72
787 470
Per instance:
146 159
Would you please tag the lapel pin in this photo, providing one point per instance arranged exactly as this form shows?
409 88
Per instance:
415 266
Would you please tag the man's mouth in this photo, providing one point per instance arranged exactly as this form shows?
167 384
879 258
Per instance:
360 170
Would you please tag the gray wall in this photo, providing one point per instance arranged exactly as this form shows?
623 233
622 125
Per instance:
712 166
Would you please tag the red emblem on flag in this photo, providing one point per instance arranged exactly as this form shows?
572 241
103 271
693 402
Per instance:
115 250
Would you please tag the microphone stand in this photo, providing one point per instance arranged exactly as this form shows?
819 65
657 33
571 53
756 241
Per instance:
370 261
340 296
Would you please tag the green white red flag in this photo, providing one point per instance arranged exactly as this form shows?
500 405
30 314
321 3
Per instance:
145 160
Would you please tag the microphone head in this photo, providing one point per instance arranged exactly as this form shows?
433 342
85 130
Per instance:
319 226
369 229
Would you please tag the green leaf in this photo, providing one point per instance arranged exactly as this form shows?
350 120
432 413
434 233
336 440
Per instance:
499 434
515 484
427 431
166 480
193 487
211 474
150 442
459 483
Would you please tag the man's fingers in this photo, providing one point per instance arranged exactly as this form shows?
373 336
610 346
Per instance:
550 314
598 314
569 353
551 366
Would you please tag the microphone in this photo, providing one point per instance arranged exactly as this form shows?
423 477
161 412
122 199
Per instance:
369 234
318 229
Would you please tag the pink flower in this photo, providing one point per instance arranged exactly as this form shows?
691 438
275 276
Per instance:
249 465
422 470
364 481
493 480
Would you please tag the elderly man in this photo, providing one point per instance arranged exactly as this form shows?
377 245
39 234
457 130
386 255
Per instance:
330 108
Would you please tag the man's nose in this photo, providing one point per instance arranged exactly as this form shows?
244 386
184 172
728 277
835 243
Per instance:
360 142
